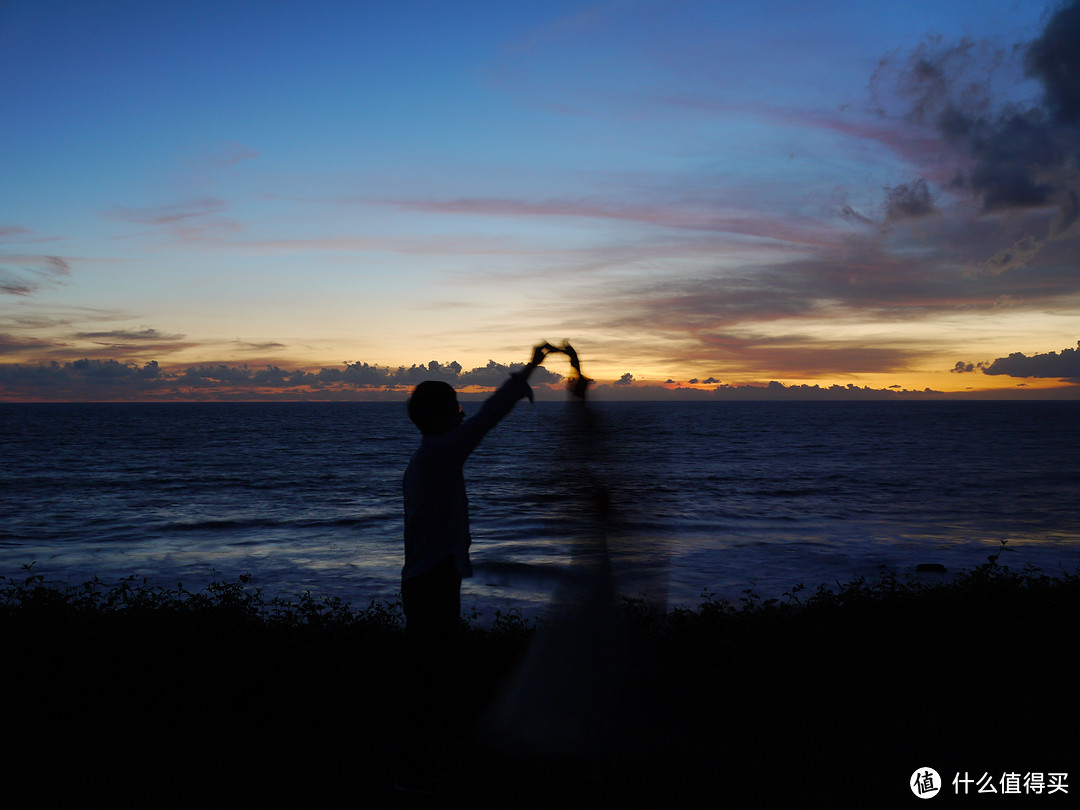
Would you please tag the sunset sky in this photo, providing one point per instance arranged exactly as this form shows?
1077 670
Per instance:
228 199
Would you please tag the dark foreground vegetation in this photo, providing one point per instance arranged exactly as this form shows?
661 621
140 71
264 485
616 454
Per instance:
131 695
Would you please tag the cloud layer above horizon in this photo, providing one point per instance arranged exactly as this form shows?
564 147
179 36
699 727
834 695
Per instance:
848 195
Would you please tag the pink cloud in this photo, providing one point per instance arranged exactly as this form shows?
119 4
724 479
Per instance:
20 235
168 214
797 230
231 154
912 143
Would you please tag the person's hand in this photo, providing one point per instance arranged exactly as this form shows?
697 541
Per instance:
540 352
570 352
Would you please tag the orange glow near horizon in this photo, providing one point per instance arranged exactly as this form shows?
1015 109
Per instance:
173 389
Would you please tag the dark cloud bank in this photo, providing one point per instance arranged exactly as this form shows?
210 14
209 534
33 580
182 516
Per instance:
109 379
112 380
1064 366
1009 154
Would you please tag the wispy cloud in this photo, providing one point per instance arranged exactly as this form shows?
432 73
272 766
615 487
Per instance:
903 138
231 153
729 318
802 231
192 221
41 338
170 214
21 344
147 335
801 356
247 346
18 235
24 275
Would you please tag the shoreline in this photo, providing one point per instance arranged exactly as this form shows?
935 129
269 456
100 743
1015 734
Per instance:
500 585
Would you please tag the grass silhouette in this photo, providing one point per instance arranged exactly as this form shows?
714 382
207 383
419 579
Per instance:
148 695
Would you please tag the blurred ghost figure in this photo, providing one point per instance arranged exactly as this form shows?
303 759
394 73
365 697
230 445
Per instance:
556 702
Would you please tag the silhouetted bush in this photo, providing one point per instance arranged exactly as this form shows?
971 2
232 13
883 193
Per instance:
222 696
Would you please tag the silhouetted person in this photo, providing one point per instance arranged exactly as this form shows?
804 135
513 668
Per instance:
437 541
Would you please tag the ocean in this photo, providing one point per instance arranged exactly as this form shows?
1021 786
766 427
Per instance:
697 497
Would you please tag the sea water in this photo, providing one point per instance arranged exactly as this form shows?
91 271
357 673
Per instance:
686 497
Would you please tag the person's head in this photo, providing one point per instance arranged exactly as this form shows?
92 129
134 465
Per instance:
433 407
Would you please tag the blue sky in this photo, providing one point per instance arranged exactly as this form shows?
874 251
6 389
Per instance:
687 191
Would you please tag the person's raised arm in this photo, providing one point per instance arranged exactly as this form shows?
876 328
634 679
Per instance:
498 404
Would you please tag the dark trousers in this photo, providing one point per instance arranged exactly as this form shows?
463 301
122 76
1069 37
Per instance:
432 604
